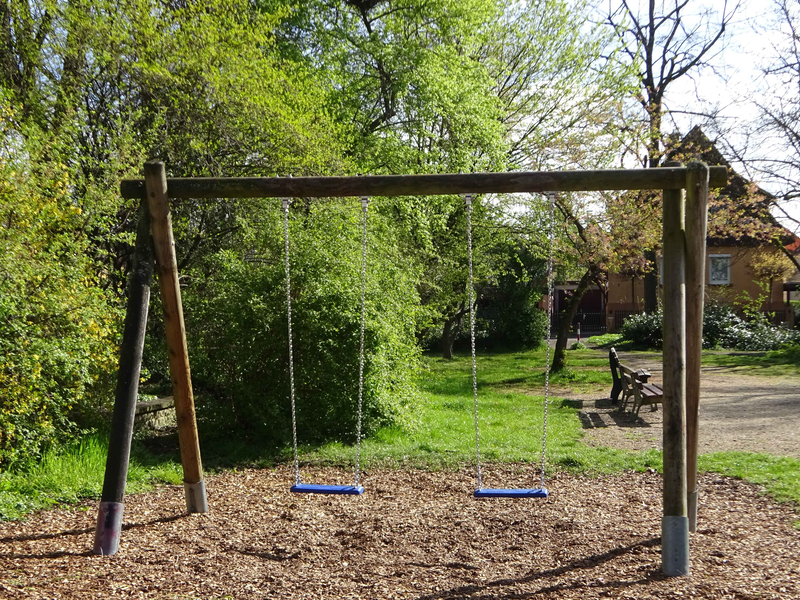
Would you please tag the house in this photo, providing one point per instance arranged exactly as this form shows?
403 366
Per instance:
745 265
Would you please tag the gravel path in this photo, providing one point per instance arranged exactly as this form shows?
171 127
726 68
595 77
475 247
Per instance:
738 411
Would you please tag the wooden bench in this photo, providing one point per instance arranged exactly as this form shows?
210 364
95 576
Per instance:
633 384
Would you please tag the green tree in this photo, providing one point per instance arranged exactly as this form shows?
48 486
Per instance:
96 88
665 43
463 86
237 327
58 329
201 86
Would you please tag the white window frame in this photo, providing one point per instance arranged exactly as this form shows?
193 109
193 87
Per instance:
719 281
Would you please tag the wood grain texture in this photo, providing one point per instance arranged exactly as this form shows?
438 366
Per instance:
164 245
675 502
696 230
418 185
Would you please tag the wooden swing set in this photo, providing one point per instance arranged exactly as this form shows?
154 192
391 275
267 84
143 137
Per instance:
685 200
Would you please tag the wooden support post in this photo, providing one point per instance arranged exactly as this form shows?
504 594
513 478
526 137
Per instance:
109 517
164 244
697 175
675 522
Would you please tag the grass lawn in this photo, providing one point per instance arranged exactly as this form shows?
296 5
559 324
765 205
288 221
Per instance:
511 414
777 363
77 472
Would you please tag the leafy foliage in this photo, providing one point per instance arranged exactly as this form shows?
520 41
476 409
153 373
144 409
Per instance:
236 324
722 327
272 87
58 329
644 329
509 304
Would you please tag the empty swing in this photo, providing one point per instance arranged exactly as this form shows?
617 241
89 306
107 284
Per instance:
310 488
541 491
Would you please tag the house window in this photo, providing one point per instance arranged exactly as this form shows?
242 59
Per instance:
719 269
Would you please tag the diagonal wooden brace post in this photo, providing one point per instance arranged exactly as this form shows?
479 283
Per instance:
167 268
675 521
697 175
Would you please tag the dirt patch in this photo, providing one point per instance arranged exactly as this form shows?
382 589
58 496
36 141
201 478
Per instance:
737 412
411 535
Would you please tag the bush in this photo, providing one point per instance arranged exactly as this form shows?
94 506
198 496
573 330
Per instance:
58 329
644 329
759 334
719 320
508 313
513 326
722 327
237 332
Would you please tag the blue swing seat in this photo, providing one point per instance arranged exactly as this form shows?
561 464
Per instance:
511 493
312 488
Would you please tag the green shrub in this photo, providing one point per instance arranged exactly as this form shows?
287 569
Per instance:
722 327
718 320
759 334
644 329
511 303
58 329
520 328
237 331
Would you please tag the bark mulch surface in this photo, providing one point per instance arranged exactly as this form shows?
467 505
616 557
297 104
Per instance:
411 535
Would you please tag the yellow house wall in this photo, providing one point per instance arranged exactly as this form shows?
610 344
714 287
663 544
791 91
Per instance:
627 294
743 283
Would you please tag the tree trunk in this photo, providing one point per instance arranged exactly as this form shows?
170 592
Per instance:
448 337
654 110
651 284
654 153
560 354
450 330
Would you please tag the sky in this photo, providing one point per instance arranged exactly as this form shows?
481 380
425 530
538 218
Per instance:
728 85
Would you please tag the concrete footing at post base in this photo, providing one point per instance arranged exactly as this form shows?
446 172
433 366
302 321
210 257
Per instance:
675 546
109 527
196 500
692 505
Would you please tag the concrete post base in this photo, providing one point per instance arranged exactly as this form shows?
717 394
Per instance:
675 546
196 501
109 527
692 500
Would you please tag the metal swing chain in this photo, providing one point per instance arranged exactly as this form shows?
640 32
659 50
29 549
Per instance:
468 200
285 204
551 196
364 207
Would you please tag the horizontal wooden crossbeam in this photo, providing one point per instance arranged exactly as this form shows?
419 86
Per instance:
425 185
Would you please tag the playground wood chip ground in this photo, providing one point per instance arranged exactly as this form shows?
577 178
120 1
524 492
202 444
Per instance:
411 535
